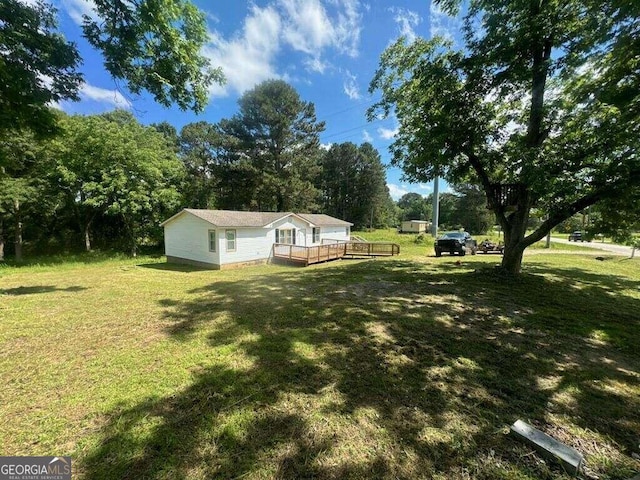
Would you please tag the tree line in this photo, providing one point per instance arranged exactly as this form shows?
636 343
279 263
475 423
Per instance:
463 208
106 181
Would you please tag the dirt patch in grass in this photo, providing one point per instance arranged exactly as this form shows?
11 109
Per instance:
397 368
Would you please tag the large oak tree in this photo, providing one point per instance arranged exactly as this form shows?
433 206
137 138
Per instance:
540 108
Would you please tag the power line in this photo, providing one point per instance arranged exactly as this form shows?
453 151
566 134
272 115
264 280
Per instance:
355 128
366 102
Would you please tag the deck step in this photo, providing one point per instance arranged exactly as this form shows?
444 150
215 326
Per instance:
570 459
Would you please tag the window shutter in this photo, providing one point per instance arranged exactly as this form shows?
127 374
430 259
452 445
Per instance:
277 236
293 236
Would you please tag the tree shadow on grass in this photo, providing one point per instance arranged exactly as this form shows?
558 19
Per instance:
39 289
386 369
174 267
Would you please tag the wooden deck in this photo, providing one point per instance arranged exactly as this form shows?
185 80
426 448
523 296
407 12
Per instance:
332 251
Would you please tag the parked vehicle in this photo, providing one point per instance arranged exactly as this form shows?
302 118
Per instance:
576 236
456 242
487 246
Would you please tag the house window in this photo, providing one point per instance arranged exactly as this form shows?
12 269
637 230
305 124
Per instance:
286 235
346 231
316 235
212 240
230 235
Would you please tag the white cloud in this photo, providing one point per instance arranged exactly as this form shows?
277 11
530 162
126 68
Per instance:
308 26
425 187
77 8
316 65
348 26
407 20
350 86
387 133
102 95
442 24
248 58
31 3
397 191
366 137
326 146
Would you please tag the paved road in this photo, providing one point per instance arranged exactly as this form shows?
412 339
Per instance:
617 249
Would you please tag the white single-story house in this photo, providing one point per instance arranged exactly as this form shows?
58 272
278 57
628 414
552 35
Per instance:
415 226
225 239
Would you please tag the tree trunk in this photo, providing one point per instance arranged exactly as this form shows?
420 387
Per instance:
18 231
130 226
87 239
512 259
87 232
1 240
515 228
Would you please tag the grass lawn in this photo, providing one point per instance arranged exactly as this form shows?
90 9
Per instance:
409 367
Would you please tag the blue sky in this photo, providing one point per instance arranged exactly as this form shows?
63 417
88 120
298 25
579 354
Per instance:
327 49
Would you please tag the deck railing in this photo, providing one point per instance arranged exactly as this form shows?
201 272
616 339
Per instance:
309 255
371 249
333 251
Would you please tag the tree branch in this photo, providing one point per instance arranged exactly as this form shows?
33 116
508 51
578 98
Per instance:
475 162
606 191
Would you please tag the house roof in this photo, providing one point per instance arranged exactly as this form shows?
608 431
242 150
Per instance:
231 218
322 220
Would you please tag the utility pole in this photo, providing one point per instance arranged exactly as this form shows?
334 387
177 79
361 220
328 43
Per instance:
436 203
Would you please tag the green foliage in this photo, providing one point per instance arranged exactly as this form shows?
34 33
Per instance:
104 178
618 218
278 134
199 145
37 67
353 185
414 207
471 209
421 239
532 100
155 45
110 164
446 209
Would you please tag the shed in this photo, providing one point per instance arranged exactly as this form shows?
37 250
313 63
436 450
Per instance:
414 226
219 239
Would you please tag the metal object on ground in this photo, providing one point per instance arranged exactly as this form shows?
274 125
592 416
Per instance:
570 459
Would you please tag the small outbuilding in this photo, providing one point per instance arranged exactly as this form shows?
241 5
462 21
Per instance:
220 239
414 226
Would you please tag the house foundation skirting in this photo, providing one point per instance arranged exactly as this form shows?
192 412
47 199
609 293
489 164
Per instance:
230 266
213 266
195 263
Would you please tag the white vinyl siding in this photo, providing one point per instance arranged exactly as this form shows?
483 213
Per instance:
230 236
187 236
212 241
333 233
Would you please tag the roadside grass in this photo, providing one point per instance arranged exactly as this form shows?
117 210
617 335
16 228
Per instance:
421 244
409 367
